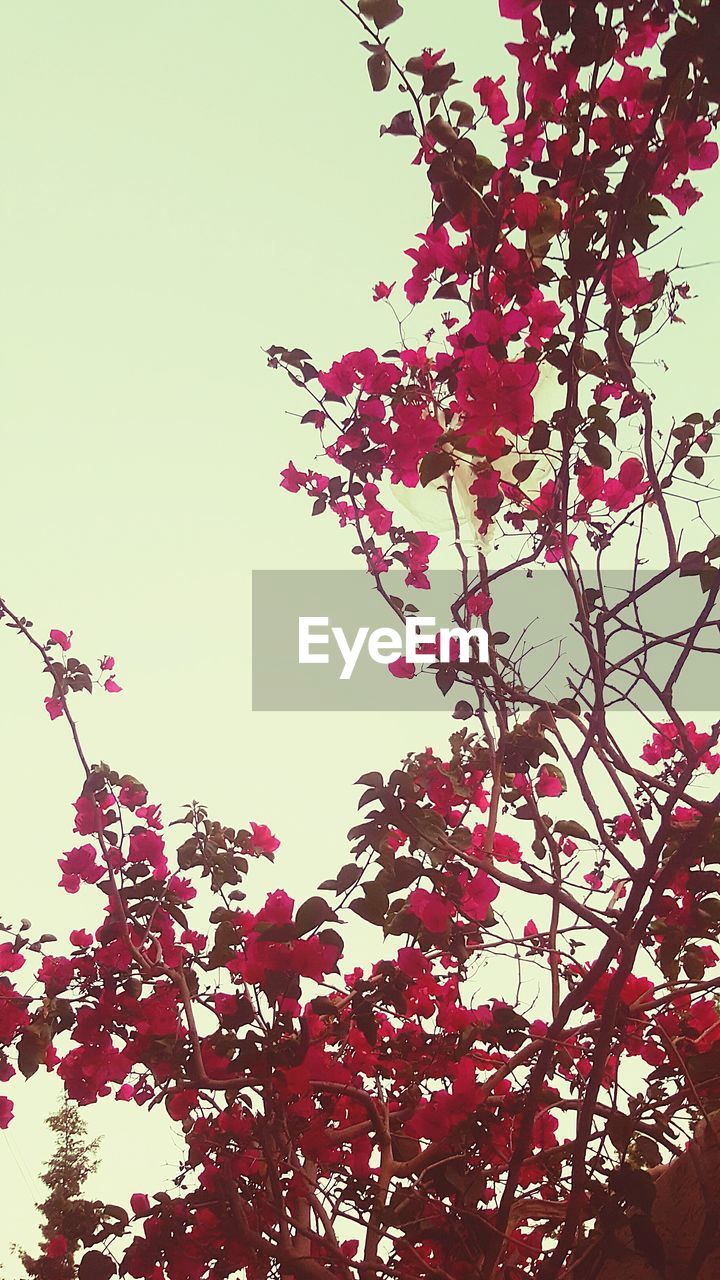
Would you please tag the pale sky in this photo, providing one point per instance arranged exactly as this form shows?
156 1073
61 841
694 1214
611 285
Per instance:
184 184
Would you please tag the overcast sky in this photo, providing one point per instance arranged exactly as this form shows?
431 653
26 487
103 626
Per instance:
184 184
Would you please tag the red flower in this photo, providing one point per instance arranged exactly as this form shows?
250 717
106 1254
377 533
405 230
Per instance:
431 910
517 8
527 209
10 959
292 479
492 97
478 603
56 973
91 814
630 288
79 866
401 669
263 841
630 484
6 1112
382 291
148 846
60 638
479 893
548 783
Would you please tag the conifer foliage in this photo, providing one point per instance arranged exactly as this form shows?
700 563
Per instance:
68 1218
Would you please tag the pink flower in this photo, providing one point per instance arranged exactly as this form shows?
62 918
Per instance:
263 841
182 888
148 846
431 910
56 973
527 209
292 479
684 196
624 827
630 288
479 894
517 8
555 550
132 794
478 603
91 815
401 669
630 484
505 849
6 1112
492 97
54 707
112 686
108 663
382 291
10 959
60 638
590 481
79 866
548 783
81 939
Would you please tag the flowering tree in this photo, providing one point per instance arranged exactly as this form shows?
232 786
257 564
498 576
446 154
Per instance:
408 1118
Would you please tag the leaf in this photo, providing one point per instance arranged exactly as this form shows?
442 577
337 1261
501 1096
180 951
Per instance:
379 70
116 1211
381 12
32 1048
598 455
373 907
573 829
696 467
404 1148
693 963
693 562
523 469
634 1186
434 465
315 911
324 1006
401 125
465 113
374 780
648 1242
646 1150
620 1129
347 876
443 132
540 237
445 679
96 1266
463 711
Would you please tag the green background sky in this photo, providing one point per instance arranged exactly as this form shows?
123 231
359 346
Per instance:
184 183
